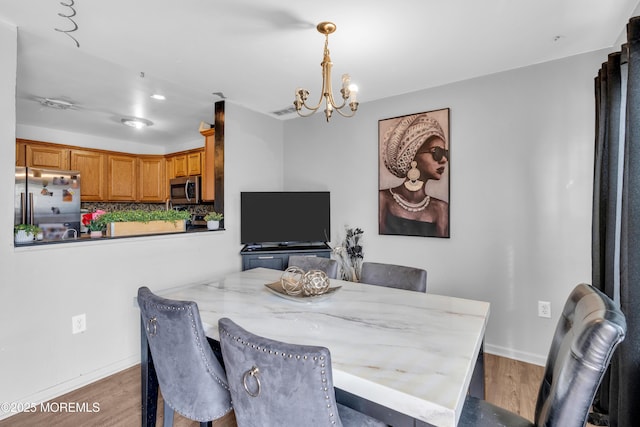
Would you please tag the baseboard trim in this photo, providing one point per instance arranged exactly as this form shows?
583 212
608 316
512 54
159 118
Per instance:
510 353
75 383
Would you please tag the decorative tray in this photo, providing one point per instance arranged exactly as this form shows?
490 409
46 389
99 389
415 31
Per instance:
276 288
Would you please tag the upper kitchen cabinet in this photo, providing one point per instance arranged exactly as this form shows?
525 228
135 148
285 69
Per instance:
21 152
121 177
187 163
152 185
92 166
169 170
194 163
37 155
179 165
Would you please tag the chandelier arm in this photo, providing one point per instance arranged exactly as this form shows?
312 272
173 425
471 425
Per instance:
332 101
314 109
353 112
311 109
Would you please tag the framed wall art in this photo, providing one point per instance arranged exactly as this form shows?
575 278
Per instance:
414 173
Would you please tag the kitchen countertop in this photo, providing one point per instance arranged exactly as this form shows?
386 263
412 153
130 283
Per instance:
84 237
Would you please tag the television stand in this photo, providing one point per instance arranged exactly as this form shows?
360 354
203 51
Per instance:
276 256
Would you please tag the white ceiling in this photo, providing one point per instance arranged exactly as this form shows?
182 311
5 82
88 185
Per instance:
256 52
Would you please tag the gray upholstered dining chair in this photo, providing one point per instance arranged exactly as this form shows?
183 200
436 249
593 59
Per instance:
589 330
276 383
394 276
328 265
192 381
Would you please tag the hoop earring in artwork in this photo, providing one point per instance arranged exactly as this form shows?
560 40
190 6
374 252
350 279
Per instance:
413 183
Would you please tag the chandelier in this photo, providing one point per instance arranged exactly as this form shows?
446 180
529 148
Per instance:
348 91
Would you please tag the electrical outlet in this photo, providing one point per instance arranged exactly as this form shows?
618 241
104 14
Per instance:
79 323
544 309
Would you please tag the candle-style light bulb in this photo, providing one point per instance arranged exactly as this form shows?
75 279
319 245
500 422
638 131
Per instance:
346 80
354 92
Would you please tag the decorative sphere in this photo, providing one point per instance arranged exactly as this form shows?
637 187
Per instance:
291 280
315 282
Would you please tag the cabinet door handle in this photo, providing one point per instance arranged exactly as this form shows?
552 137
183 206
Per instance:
265 257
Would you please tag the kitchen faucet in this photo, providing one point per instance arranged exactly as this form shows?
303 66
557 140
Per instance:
66 232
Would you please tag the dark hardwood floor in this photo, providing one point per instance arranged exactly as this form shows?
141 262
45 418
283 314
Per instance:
509 383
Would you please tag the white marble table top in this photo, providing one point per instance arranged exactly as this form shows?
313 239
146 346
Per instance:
412 352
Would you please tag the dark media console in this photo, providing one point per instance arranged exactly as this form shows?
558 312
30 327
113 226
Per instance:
276 257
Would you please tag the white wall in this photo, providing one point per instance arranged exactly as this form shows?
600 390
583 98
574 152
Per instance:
521 181
42 288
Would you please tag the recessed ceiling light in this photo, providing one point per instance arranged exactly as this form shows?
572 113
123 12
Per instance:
135 122
158 96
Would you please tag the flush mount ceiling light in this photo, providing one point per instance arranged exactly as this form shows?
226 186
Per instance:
158 96
135 122
56 103
348 90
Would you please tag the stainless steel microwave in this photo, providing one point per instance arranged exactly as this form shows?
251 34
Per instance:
185 190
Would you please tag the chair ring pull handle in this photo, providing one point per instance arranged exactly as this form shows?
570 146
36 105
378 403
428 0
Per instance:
152 326
253 372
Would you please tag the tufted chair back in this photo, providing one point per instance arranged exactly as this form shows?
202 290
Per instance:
588 331
394 276
329 266
191 379
279 384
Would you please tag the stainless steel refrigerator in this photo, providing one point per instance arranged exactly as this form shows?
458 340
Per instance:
49 199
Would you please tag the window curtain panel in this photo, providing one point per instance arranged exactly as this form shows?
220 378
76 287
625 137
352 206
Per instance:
616 222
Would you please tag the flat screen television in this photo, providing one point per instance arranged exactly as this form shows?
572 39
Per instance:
284 217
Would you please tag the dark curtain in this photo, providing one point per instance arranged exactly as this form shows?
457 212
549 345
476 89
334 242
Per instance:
616 221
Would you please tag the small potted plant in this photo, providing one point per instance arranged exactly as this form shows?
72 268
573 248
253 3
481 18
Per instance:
95 228
213 220
25 233
91 221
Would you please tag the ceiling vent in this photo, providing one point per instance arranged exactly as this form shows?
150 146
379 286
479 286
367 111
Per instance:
284 111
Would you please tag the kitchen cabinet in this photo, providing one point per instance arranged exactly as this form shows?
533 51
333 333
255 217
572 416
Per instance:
179 165
121 177
47 156
169 172
151 179
108 176
187 163
21 153
194 163
92 166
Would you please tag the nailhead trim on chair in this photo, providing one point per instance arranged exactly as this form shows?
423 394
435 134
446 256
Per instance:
194 327
323 374
202 355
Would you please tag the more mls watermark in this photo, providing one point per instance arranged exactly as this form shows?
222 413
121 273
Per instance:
50 407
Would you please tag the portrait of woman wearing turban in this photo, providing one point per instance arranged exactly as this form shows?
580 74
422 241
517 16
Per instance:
415 155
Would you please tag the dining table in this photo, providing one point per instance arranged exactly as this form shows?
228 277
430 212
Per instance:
407 358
